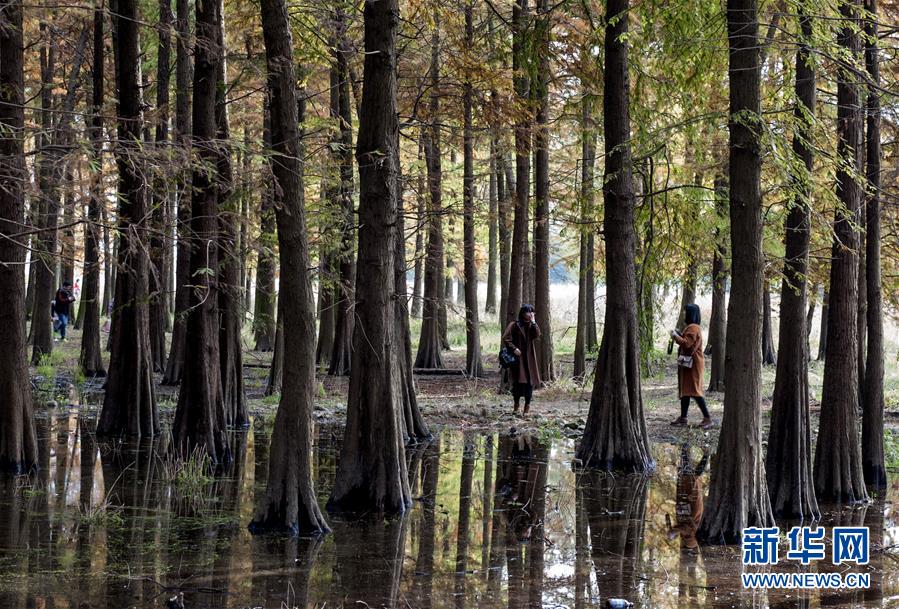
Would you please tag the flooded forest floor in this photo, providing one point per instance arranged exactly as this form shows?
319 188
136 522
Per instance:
500 518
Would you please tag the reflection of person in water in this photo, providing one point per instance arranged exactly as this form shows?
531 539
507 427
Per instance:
688 513
518 487
521 505
688 504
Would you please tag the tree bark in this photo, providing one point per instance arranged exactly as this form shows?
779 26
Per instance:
418 279
91 359
200 419
415 429
718 319
264 314
738 492
371 475
521 83
276 370
46 208
542 302
838 457
585 290
473 365
504 191
158 240
18 439
175 363
341 352
789 458
873 401
492 219
615 434
289 502
229 296
129 403
429 342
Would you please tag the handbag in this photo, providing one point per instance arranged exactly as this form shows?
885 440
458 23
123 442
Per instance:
506 358
685 361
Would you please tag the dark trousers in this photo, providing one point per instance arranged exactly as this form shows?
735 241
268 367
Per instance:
522 390
685 405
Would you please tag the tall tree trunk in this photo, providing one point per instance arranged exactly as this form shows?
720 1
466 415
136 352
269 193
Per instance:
371 475
91 360
520 70
46 209
229 294
418 278
51 175
492 218
738 492
822 334
276 370
718 318
789 458
838 456
264 313
415 429
592 341
504 194
18 439
769 356
326 302
872 404
473 365
289 503
175 363
129 403
200 419
429 342
615 434
542 301
341 352
158 241
585 290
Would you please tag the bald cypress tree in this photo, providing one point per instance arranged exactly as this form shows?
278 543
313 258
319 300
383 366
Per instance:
289 503
129 402
789 458
18 440
371 474
738 492
838 457
200 418
615 434
872 407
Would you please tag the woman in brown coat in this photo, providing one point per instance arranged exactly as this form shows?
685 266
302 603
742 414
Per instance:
690 366
520 338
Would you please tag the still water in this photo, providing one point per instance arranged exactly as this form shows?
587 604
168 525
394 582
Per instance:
498 521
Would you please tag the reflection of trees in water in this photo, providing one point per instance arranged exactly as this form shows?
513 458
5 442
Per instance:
424 562
281 570
464 520
519 510
369 562
615 509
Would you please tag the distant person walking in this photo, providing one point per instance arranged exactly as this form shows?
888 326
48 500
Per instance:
690 366
62 308
520 338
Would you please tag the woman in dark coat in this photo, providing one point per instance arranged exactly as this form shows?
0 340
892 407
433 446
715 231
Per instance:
690 377
520 338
